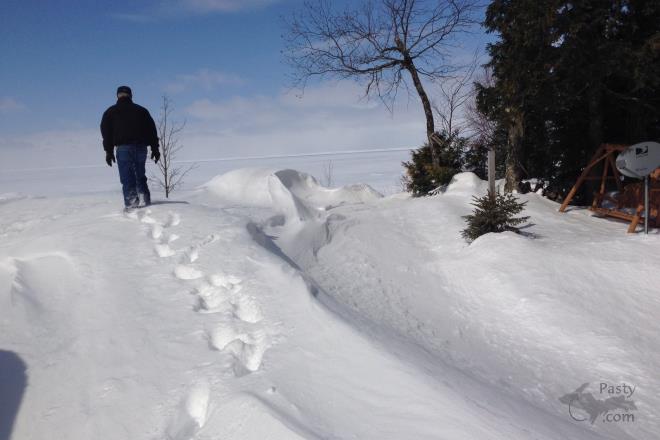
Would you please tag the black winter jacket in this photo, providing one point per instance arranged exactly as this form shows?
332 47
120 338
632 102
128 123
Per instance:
127 123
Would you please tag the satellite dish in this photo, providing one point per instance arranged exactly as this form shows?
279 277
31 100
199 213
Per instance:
639 160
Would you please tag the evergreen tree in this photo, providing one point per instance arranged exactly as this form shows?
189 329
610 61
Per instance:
422 176
493 213
569 76
605 78
520 61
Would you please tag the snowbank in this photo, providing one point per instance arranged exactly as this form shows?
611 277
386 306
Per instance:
533 316
294 194
466 184
245 186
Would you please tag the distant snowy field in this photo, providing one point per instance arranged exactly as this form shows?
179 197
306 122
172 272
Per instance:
379 168
270 307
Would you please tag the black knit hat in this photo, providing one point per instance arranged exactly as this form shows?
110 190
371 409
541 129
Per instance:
124 89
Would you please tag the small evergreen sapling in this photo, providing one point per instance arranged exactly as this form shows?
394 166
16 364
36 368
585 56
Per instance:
493 214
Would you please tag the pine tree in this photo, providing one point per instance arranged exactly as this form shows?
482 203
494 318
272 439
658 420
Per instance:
608 70
569 76
422 176
520 61
493 213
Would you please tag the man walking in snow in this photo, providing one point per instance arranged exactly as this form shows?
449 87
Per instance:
130 128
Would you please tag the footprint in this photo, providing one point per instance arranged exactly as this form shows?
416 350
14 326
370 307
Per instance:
146 218
208 305
223 335
197 404
192 414
193 254
211 238
193 251
234 279
172 238
173 220
249 354
184 272
133 214
156 231
164 250
247 349
212 300
246 309
227 281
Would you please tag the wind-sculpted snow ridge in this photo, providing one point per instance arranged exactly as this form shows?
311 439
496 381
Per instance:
295 193
301 205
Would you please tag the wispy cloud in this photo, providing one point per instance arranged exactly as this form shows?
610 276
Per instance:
204 78
10 105
172 9
204 6
329 117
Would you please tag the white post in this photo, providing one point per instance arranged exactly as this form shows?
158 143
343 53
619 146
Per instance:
491 171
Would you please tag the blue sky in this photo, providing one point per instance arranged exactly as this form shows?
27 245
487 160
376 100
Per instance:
68 56
218 60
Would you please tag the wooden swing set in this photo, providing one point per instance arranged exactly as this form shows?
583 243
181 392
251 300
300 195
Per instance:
628 202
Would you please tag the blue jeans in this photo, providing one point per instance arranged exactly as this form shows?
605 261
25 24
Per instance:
130 161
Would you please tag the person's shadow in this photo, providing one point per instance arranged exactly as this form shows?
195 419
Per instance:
13 381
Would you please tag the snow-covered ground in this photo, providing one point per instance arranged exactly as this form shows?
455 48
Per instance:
265 306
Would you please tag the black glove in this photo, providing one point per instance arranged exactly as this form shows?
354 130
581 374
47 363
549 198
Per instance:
110 157
155 154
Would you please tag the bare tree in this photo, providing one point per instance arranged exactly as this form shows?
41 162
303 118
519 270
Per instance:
377 42
481 128
170 176
454 94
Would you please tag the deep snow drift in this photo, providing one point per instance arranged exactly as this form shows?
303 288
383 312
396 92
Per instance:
271 307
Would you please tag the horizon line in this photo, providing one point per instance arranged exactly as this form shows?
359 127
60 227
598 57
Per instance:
225 159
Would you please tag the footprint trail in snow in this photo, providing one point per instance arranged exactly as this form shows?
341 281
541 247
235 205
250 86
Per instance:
238 332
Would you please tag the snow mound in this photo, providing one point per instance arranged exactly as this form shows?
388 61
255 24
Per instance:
247 186
294 194
466 183
39 287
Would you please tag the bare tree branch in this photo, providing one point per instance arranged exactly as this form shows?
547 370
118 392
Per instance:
480 127
375 42
454 94
170 177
